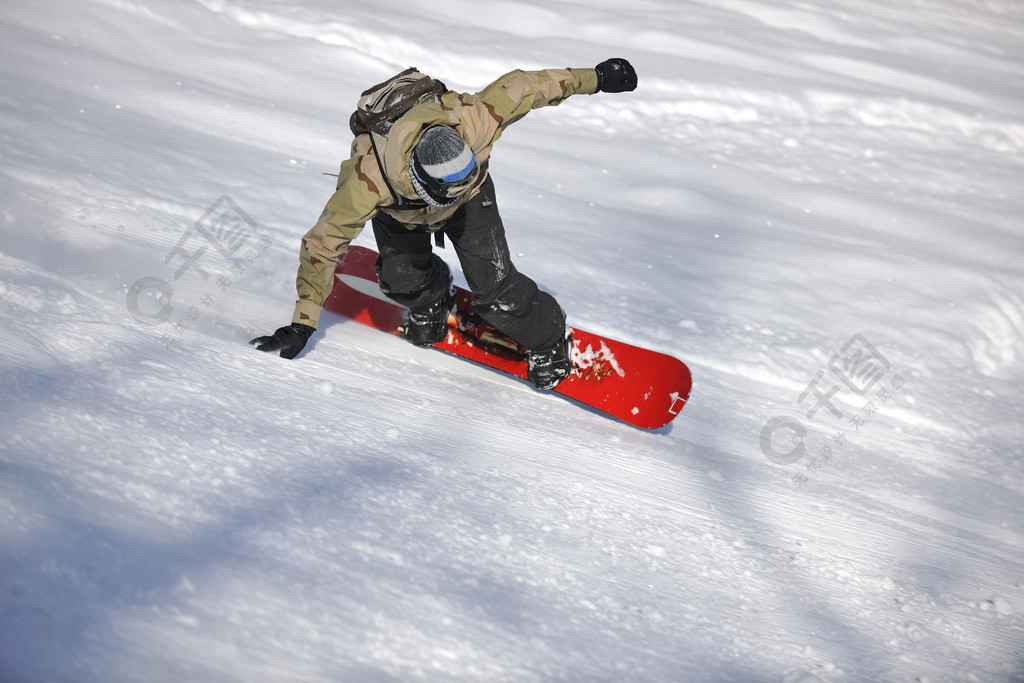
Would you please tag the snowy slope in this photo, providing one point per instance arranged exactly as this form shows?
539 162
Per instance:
789 184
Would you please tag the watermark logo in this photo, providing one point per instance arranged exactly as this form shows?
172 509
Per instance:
863 370
226 226
224 237
859 365
782 440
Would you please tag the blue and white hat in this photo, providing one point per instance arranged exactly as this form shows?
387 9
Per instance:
441 158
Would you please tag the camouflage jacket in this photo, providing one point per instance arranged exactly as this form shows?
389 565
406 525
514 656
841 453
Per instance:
361 190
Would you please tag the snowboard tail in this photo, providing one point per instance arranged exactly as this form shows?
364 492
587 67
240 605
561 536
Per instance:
645 388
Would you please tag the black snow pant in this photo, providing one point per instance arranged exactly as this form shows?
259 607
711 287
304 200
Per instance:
413 276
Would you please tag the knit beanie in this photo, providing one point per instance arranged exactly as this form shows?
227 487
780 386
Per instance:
444 156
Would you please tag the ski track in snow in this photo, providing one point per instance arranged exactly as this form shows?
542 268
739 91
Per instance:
175 506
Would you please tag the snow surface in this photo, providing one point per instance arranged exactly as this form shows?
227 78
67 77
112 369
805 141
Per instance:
788 178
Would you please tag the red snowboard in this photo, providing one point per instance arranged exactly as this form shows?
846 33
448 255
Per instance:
645 388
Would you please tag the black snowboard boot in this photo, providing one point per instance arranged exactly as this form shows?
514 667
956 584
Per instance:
430 325
547 367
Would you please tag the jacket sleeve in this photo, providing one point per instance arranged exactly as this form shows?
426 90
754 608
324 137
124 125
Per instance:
515 94
353 204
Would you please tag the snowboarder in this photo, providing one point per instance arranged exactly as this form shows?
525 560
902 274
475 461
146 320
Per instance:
429 175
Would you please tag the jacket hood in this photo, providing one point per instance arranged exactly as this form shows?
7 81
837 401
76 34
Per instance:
402 139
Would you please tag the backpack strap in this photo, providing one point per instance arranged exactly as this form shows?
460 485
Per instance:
395 197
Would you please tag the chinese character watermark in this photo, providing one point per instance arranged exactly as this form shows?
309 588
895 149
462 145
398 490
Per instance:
225 228
859 365
862 369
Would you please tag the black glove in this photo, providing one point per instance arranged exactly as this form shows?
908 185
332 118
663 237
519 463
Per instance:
289 340
615 75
